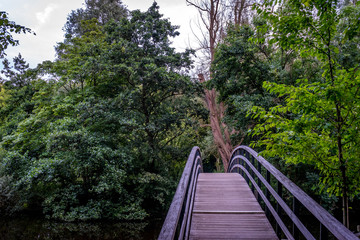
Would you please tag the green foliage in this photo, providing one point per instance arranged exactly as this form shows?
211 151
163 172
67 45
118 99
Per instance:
4 95
80 59
239 69
304 129
7 28
317 121
291 84
156 94
8 196
102 11
348 37
106 134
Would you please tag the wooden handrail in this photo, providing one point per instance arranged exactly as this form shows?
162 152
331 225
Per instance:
271 208
178 218
243 158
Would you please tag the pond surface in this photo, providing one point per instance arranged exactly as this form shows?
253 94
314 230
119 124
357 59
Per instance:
38 228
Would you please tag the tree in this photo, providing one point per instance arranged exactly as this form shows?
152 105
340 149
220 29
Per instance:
212 16
17 92
81 59
8 27
102 10
109 128
151 75
317 124
215 15
239 69
18 75
240 13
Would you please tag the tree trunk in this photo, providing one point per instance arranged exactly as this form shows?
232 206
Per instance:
345 201
219 129
213 14
239 10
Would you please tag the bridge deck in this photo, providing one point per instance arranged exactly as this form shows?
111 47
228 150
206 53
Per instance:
225 208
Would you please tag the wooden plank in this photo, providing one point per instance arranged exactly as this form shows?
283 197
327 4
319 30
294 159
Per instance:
231 226
224 192
225 208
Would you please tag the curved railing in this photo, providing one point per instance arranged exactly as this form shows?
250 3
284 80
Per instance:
178 219
259 174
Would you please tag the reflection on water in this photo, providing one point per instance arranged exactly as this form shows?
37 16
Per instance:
36 228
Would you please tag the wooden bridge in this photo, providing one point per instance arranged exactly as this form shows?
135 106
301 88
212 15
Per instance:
243 204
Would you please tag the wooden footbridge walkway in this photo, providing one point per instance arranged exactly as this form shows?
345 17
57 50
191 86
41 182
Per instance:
243 204
224 206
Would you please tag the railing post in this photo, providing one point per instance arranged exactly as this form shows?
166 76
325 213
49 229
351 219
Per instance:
237 161
296 212
267 193
259 181
323 232
259 170
240 170
278 208
252 172
247 156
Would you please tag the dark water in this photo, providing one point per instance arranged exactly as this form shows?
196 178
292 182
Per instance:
38 228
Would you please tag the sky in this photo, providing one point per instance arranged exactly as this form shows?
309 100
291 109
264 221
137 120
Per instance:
47 18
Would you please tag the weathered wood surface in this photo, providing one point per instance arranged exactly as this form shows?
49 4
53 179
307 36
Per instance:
225 208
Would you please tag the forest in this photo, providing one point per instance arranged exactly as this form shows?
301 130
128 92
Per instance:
104 130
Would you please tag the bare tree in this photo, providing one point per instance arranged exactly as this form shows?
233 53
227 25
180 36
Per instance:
214 17
239 10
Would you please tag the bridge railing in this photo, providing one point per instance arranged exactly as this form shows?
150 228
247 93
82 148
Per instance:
178 219
259 174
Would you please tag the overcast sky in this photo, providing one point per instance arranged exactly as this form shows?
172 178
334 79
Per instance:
47 18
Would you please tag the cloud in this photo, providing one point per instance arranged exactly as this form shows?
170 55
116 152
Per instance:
44 15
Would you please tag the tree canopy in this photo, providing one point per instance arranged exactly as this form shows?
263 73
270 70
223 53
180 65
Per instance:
103 135
291 84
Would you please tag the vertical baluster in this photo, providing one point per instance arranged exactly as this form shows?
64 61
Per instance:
252 172
278 208
296 212
247 168
323 232
241 163
247 156
258 180
251 160
234 162
267 193
238 162
259 170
